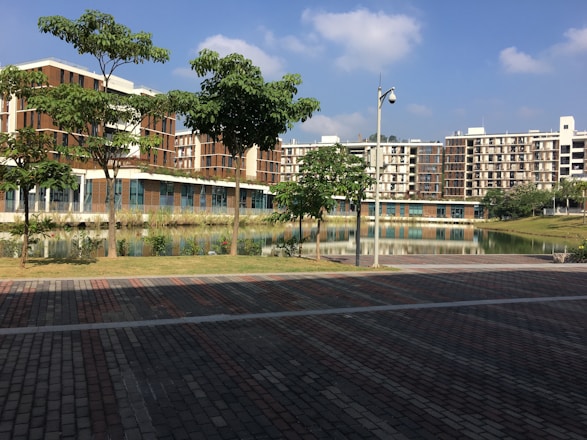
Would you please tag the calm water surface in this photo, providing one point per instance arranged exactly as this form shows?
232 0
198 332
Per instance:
395 239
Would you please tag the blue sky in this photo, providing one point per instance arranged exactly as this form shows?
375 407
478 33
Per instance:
509 65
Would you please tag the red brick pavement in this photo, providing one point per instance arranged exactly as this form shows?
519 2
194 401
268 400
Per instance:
482 368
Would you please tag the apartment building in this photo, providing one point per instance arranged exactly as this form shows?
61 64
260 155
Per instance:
408 170
202 155
145 182
476 162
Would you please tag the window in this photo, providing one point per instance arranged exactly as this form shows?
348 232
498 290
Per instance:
187 197
243 198
166 194
80 80
258 200
137 194
218 197
441 211
96 84
203 197
415 210
391 209
457 211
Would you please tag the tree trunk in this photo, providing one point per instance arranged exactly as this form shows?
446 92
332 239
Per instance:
358 236
318 242
237 202
301 239
26 229
111 183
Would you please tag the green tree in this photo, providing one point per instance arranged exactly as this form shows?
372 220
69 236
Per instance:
494 202
25 163
582 189
526 199
568 189
236 106
106 124
353 184
391 138
292 205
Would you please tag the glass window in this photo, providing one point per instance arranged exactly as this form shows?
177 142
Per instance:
416 210
166 194
258 200
457 211
218 197
137 194
203 197
187 197
88 196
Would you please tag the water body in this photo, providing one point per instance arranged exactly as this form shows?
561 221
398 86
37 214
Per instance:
395 239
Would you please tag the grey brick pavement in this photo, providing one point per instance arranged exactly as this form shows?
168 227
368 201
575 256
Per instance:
482 351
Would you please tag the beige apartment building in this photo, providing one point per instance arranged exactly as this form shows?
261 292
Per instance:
409 170
201 155
476 162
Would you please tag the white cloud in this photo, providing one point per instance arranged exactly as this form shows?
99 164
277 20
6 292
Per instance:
419 110
347 126
271 67
514 61
369 40
576 42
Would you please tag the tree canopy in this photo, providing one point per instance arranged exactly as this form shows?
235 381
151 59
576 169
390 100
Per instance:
236 106
324 173
105 124
520 201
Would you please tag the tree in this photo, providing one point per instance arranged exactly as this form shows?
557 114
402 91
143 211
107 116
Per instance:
494 202
582 188
293 205
324 173
25 163
236 106
568 189
105 124
391 138
353 184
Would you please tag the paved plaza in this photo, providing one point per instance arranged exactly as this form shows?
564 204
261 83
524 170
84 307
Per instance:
445 348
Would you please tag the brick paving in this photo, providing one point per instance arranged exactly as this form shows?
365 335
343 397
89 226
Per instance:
474 349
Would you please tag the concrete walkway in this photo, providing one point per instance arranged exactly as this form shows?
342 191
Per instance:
492 349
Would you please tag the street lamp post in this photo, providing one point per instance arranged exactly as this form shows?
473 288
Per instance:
380 98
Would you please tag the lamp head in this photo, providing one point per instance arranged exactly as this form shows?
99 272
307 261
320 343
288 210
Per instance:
392 98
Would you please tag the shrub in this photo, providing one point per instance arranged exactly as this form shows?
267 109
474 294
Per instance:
192 247
83 246
578 254
290 246
10 248
223 246
122 247
248 246
158 244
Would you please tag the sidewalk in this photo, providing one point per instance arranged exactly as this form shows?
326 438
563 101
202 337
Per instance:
490 350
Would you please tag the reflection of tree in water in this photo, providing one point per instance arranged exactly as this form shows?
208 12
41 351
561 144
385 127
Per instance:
336 239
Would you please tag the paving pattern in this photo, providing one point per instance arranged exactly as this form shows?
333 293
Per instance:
493 350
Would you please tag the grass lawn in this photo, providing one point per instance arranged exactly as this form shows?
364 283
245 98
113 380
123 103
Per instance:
150 266
570 227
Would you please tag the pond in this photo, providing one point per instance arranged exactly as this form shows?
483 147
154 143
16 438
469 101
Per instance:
395 239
